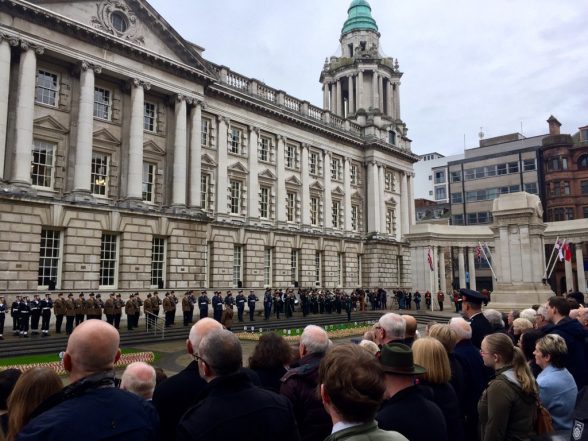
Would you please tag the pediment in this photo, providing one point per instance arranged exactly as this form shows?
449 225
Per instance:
338 191
50 123
237 167
104 136
390 201
152 147
207 160
316 186
293 180
356 195
267 174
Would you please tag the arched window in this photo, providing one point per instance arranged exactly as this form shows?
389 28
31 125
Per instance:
583 161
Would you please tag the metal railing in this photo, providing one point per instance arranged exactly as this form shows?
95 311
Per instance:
155 324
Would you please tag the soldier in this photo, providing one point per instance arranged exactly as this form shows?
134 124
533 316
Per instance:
267 304
3 309
148 310
251 299
70 313
35 308
203 303
130 311
174 302
98 306
186 307
440 299
118 306
155 304
169 309
217 306
80 308
138 303
240 300
109 309
428 299
227 314
46 304
59 311
24 312
15 316
90 306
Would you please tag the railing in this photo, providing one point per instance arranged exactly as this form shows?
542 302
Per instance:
315 113
154 324
292 103
336 121
237 81
266 93
355 128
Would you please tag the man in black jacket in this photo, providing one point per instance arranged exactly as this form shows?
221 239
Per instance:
472 310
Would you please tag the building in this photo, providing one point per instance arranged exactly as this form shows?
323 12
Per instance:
130 162
430 176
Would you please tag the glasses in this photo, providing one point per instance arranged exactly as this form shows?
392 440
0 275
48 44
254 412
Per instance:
199 358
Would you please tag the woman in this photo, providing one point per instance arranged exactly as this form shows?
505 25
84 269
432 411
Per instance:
32 388
557 387
507 407
527 344
269 360
448 339
430 353
519 325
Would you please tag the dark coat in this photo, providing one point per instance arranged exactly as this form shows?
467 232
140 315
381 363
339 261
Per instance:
412 414
445 397
481 327
300 386
270 378
574 335
235 409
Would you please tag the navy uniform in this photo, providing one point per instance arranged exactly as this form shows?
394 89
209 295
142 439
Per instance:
267 304
46 305
15 316
240 305
59 311
24 313
251 299
70 314
481 327
203 303
3 310
217 306
35 308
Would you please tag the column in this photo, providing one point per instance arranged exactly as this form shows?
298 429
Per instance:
397 101
222 179
180 151
569 275
360 101
382 198
305 197
442 278
196 154
375 95
381 82
4 87
411 199
326 96
25 110
580 267
135 176
334 97
327 202
461 266
340 102
83 164
253 184
373 198
351 97
404 203
435 270
347 185
472 268
389 99
281 174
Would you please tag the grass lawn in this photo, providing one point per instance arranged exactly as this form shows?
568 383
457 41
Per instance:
47 358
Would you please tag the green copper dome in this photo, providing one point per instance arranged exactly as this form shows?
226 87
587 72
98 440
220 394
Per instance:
360 18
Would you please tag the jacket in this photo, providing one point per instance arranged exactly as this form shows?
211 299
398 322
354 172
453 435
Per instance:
506 412
481 327
444 396
366 432
558 393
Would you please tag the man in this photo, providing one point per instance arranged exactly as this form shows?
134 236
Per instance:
46 305
558 310
390 327
98 307
59 311
410 332
583 318
472 310
3 310
130 310
118 306
70 314
90 304
300 382
541 319
80 308
234 408
14 314
35 308
24 314
155 304
148 310
186 307
169 309
440 299
251 300
405 400
203 303
139 379
217 306
92 407
352 388
240 301
267 305
138 303
109 309
173 397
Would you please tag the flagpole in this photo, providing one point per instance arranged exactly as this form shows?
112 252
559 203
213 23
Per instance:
550 257
555 260
487 261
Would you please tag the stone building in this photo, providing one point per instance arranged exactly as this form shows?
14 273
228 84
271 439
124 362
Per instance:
129 162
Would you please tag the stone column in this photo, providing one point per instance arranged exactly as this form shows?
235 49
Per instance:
411 209
347 186
404 203
281 175
351 97
580 268
326 96
304 172
442 278
196 154
435 269
373 198
253 184
461 267
382 199
360 101
381 84
375 94
25 112
327 203
180 152
335 97
83 164
389 99
397 101
222 179
472 268
4 87
340 101
569 275
135 175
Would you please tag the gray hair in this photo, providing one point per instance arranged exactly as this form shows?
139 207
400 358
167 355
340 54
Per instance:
139 378
461 327
393 324
542 311
495 318
221 351
528 314
315 339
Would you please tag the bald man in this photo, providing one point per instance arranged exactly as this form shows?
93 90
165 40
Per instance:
139 378
410 332
92 350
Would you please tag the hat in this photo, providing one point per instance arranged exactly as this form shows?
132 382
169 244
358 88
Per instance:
471 296
118 295
203 292
396 358
70 295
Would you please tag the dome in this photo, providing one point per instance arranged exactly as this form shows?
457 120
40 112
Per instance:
359 18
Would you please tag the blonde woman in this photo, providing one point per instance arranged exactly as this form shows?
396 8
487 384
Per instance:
429 353
507 407
32 388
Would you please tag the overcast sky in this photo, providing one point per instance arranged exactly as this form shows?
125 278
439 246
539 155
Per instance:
499 64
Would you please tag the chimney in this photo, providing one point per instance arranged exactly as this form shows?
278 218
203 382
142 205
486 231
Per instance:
554 125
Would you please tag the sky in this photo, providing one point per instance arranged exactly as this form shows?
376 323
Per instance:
502 65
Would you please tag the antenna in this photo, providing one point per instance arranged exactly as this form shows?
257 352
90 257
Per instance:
481 134
522 133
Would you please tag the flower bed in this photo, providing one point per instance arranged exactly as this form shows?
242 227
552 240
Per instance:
293 335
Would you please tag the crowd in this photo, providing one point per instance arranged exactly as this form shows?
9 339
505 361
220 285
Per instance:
481 377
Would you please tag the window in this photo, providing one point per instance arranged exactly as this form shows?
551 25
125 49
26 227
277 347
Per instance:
42 165
514 188
317 268
359 271
440 193
390 221
336 213
430 177
440 177
529 165
313 161
560 188
336 173
558 214
264 197
264 149
149 117
457 198
158 261
455 176
470 174
294 266
235 202
99 174
148 182
583 161
513 167
314 211
204 191
531 187
108 260
119 22
457 219
557 163
290 207
355 217
490 170
267 267
566 188
501 169
483 217
388 181
235 140
47 89
569 213
585 212
102 103
49 257
237 265
584 134
340 269
392 137
205 133
354 175
291 156
584 187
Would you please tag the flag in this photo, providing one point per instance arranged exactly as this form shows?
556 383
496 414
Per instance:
430 259
567 251
559 247
478 253
487 250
